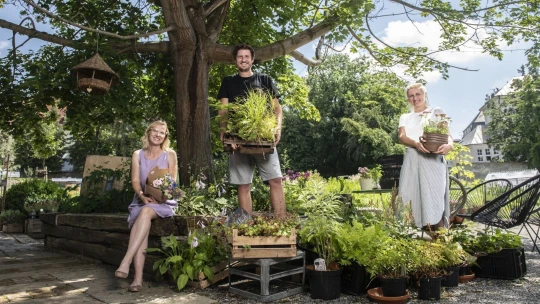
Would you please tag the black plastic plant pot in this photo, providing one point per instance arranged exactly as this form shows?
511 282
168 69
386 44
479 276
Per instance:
452 279
324 285
430 288
393 287
465 270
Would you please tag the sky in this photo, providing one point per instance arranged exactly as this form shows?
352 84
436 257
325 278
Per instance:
461 96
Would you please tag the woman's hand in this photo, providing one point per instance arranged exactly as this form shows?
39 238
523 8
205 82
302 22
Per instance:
420 146
444 149
147 200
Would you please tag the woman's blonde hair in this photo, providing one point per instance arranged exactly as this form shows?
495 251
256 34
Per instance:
420 87
166 142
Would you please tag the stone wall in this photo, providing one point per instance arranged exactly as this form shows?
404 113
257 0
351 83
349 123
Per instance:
105 237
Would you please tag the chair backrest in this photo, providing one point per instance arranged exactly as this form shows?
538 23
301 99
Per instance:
512 207
483 193
457 195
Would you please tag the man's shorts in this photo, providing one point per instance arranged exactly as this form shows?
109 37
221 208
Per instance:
241 167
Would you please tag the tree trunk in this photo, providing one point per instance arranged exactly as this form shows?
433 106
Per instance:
189 49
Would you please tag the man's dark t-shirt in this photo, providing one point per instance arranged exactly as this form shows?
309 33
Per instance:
234 87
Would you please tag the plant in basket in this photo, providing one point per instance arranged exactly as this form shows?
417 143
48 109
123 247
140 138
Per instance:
436 126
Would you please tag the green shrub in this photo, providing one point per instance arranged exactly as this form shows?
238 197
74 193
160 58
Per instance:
12 217
33 192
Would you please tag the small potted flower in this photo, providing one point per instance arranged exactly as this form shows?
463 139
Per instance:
369 178
436 129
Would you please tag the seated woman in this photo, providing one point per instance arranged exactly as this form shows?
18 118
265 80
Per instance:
143 209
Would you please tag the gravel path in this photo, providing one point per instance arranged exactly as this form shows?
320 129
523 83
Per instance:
524 290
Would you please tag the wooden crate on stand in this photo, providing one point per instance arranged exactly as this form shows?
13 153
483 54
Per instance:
32 228
260 247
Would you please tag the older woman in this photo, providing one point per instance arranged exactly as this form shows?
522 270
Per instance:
424 175
143 209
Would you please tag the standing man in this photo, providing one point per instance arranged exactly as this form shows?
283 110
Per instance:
241 166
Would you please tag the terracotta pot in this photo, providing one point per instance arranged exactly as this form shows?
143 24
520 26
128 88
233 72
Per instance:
376 295
434 141
466 278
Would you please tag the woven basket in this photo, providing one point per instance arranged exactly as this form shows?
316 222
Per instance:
434 141
94 76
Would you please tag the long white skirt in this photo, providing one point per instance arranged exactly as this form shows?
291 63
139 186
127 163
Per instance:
424 183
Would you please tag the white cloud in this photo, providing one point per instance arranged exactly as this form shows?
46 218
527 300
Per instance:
3 45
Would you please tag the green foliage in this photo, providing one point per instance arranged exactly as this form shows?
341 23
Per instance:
487 241
184 261
95 199
514 119
392 259
358 243
461 159
321 233
359 108
440 124
12 217
426 259
34 194
267 225
252 117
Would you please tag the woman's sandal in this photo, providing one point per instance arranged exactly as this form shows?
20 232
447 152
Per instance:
120 274
135 288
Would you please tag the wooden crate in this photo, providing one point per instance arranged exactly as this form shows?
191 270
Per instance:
248 147
221 271
261 247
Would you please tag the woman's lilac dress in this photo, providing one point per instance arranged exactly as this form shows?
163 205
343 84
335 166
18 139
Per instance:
162 210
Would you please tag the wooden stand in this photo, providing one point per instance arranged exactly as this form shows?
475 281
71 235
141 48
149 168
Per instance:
270 269
248 147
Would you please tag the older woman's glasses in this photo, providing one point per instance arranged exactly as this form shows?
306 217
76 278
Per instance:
161 133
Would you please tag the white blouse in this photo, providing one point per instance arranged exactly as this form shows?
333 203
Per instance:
412 122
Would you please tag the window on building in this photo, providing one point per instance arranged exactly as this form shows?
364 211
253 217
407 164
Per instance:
480 158
488 158
488 151
479 152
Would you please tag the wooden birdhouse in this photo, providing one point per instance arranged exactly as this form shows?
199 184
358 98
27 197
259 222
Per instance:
94 76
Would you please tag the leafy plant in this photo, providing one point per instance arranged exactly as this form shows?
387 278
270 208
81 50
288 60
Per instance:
185 260
252 118
31 193
439 124
487 241
393 258
321 233
427 259
12 217
267 225
358 243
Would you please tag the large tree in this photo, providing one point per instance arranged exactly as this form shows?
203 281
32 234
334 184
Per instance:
200 33
359 108
515 120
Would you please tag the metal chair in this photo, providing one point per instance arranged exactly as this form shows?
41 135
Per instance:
512 208
480 195
533 220
458 198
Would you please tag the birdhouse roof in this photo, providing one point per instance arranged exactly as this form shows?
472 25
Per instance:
95 63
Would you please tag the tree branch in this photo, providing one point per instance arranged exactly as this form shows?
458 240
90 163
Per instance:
104 33
280 48
365 45
212 6
303 59
215 22
430 11
143 48
407 53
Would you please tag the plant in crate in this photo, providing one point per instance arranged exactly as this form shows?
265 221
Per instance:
436 129
321 233
185 260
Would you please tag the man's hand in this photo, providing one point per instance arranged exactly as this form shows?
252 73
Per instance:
278 135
